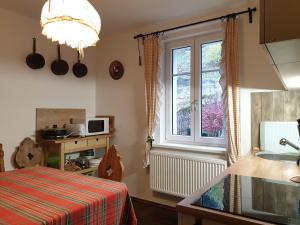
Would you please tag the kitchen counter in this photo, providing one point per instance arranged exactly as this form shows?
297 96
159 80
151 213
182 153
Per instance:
249 167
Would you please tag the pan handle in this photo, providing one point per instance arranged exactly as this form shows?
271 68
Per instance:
78 56
34 44
58 52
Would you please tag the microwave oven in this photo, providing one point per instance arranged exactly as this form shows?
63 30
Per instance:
96 126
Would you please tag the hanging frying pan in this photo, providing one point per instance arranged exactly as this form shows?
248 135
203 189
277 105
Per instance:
59 66
79 69
35 60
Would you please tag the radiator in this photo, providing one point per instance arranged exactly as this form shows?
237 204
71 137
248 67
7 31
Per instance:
181 174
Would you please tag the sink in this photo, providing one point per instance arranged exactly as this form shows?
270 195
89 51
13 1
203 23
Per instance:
287 157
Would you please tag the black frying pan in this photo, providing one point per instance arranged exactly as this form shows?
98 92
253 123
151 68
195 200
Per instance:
35 60
59 66
79 69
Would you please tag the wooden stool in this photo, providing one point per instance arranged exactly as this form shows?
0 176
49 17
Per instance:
2 168
111 166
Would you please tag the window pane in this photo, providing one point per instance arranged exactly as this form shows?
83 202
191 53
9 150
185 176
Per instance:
181 92
211 56
182 60
181 105
212 112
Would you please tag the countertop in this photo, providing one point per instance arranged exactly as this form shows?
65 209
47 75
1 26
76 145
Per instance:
70 139
251 166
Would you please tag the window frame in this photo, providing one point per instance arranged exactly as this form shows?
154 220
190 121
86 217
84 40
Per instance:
195 138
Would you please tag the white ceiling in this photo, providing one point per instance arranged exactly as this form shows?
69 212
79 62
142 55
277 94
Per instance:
126 14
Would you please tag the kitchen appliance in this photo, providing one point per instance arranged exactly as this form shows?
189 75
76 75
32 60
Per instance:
76 130
271 201
96 126
55 133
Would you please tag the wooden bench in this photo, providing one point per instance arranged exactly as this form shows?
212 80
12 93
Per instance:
1 159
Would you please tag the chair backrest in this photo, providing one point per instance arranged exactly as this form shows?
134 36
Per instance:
2 169
111 166
29 154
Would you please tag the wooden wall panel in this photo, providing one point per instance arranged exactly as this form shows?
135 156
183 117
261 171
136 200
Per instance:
255 118
278 106
48 117
290 105
272 106
267 106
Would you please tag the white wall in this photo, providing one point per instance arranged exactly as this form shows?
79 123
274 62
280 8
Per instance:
125 98
22 89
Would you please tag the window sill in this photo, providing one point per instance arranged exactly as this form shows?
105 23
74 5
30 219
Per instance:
191 148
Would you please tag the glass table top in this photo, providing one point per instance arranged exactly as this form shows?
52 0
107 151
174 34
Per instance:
257 198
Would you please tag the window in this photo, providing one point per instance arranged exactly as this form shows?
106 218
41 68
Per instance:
194 109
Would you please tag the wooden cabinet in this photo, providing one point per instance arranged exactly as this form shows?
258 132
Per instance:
279 20
71 145
280 37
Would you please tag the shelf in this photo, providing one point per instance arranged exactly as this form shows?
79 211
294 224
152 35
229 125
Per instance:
88 170
73 145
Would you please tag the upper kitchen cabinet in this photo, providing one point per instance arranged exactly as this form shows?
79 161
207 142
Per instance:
280 20
280 34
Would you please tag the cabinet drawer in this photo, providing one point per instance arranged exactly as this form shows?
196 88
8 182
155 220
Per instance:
97 142
72 145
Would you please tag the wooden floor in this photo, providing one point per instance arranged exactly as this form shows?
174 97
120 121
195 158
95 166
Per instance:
152 214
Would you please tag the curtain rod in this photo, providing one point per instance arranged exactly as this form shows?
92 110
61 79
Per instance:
249 11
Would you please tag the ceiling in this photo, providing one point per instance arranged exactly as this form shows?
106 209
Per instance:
119 15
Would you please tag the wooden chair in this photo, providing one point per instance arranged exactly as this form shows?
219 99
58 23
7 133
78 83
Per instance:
2 169
29 154
111 166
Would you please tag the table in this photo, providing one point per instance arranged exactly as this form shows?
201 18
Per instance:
43 195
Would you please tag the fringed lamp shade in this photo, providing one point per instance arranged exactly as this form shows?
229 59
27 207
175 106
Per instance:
75 23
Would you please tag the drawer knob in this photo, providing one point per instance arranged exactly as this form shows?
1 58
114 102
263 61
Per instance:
97 139
76 142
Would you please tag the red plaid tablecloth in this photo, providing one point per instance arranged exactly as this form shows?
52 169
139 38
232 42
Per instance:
47 196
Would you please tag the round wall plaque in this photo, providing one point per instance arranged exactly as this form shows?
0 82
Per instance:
116 70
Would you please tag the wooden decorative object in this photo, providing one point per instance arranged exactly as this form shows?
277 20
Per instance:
2 168
116 70
29 154
111 166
